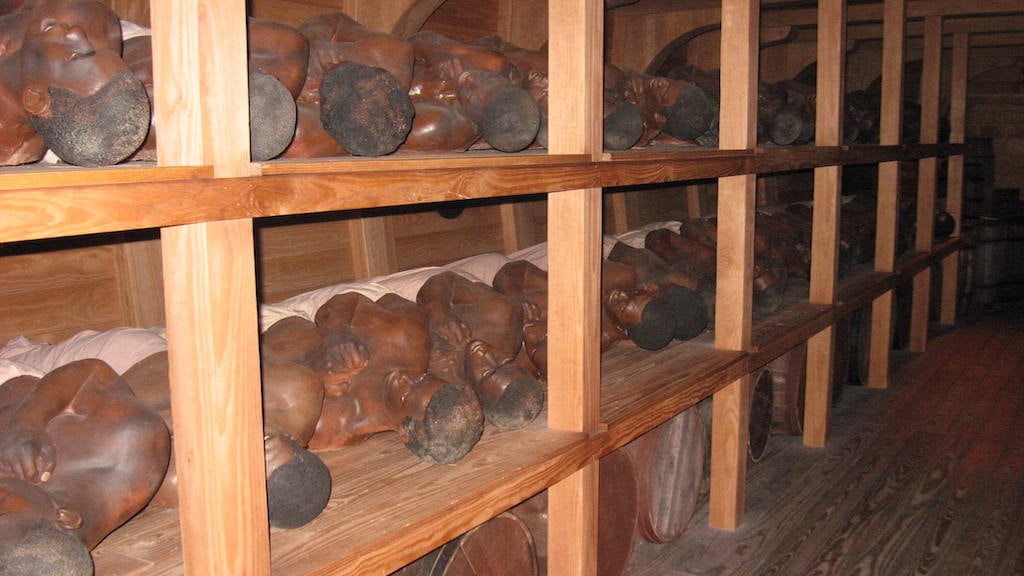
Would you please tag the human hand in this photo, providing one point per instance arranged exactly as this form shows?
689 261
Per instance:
27 454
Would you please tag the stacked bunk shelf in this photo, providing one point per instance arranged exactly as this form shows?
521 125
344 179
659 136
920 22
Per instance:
387 507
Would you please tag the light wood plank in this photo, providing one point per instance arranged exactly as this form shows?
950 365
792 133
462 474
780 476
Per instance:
215 395
927 177
729 435
955 172
574 255
210 289
736 196
373 246
140 277
825 223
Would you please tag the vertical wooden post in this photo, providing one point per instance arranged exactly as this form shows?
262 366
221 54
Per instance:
373 246
893 41
731 405
955 172
201 108
827 192
927 175
574 265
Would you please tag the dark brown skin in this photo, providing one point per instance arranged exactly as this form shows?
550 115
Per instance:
335 38
477 333
374 360
623 302
482 82
78 449
35 45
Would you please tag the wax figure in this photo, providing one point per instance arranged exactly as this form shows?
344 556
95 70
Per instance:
481 82
79 456
622 125
63 86
476 333
373 359
298 483
709 81
357 82
277 66
677 289
628 311
693 250
675 106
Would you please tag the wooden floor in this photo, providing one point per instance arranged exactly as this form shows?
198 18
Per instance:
926 477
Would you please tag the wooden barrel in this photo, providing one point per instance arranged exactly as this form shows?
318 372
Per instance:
789 385
502 546
617 516
760 424
669 468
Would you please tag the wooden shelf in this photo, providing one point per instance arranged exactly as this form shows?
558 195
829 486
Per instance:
387 507
66 201
641 389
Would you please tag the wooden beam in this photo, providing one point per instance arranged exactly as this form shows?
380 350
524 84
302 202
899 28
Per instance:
574 266
893 54
201 109
735 260
927 176
825 221
955 172
978 27
915 9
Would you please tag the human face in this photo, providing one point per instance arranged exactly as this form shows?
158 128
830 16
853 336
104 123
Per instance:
627 308
58 54
407 395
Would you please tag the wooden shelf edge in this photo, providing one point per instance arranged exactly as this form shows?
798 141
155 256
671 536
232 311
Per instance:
90 201
641 389
387 507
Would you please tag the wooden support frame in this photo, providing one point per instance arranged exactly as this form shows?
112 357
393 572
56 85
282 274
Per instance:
210 293
955 172
574 277
731 405
827 196
894 42
927 175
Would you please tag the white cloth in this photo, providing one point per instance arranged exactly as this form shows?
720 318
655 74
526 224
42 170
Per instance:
121 348
12 369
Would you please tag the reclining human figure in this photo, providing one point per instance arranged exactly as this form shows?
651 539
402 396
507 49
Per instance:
373 359
476 334
80 454
64 87
475 81
622 123
629 310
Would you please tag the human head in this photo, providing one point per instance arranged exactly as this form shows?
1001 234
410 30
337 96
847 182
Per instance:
623 125
85 103
689 115
508 117
439 421
511 397
365 109
36 537
688 309
272 116
298 483
647 320
656 327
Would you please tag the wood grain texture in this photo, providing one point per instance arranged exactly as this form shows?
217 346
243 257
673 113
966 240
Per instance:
923 478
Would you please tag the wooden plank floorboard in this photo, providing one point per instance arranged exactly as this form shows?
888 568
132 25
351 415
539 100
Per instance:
926 477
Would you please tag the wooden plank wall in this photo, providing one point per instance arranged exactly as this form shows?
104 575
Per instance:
51 290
